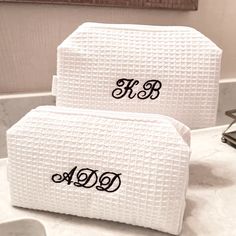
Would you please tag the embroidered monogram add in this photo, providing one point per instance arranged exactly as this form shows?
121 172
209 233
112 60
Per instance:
88 178
150 89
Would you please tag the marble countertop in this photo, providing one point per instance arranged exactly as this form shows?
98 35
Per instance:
211 197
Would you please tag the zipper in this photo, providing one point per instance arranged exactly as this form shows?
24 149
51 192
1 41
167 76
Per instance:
136 27
180 128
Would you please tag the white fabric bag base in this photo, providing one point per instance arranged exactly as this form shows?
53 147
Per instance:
146 157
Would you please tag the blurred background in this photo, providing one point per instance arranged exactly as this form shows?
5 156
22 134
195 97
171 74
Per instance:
30 34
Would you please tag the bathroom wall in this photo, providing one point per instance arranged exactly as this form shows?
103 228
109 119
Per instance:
30 34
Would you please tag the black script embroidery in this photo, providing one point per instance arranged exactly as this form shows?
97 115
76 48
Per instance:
109 182
150 89
127 85
57 178
88 178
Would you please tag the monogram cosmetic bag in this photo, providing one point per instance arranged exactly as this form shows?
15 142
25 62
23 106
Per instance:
168 70
125 167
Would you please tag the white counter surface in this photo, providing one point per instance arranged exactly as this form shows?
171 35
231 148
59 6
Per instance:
211 197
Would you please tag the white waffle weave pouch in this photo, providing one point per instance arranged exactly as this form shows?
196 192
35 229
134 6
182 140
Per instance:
124 167
172 71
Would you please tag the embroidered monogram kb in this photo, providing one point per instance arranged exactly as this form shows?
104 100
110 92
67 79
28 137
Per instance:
150 89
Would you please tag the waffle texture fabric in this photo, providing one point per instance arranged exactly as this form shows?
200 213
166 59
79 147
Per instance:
118 166
168 70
